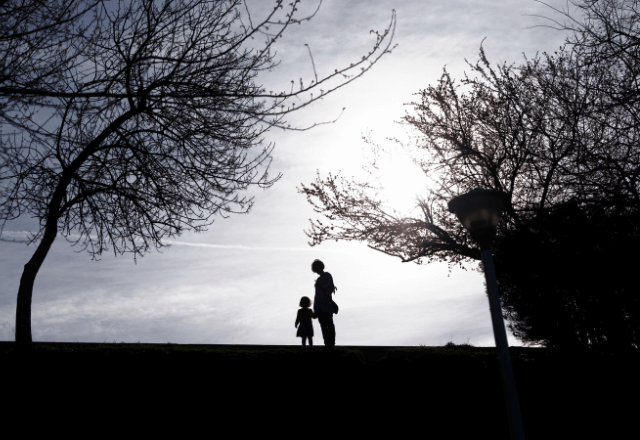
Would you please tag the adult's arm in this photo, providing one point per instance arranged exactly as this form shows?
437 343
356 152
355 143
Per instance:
327 284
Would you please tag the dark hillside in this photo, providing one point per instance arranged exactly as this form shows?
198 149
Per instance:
455 391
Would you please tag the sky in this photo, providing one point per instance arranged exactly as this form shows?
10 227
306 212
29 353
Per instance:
241 281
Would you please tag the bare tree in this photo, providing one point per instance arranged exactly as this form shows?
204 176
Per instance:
131 122
503 132
601 62
606 33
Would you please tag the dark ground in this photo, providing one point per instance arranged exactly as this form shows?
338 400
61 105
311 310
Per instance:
431 392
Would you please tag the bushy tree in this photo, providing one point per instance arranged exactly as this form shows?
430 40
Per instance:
127 122
567 279
554 132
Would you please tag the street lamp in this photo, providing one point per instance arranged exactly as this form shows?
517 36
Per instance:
479 211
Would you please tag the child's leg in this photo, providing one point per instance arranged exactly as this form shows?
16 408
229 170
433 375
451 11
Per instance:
304 341
310 341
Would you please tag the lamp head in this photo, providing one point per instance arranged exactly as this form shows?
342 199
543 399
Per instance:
479 211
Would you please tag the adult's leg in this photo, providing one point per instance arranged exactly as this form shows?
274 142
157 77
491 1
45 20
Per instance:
323 318
331 330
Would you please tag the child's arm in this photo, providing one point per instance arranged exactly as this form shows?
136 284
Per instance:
297 320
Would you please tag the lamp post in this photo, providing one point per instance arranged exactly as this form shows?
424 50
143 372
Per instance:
479 212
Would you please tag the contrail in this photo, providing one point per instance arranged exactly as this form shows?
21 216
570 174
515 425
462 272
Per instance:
251 248
9 235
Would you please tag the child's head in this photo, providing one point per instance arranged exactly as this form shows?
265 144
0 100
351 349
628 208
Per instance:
305 301
317 266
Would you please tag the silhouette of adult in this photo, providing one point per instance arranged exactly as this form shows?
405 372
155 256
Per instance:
323 305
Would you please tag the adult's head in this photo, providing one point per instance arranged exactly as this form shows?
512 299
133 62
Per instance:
317 266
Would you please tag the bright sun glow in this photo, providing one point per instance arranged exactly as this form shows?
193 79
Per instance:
402 181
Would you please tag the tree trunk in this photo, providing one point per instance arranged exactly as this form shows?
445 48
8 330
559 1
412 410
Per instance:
25 291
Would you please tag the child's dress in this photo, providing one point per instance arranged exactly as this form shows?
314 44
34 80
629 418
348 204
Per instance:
305 329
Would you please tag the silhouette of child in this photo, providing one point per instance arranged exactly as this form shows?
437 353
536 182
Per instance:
304 319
